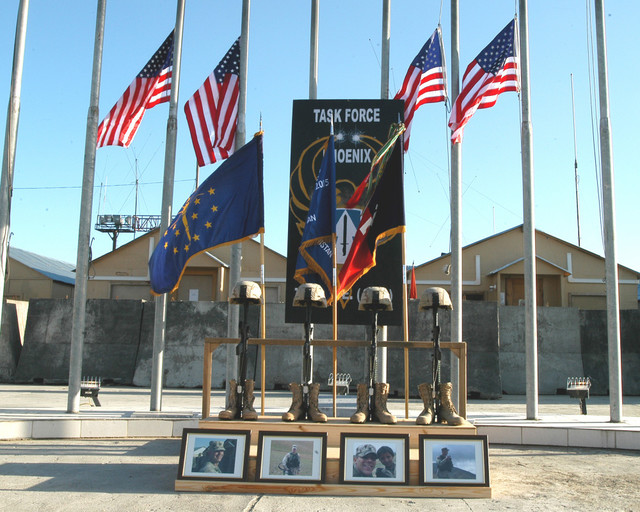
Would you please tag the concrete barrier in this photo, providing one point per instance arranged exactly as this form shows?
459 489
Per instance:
119 347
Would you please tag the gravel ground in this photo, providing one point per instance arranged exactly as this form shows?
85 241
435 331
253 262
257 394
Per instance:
140 474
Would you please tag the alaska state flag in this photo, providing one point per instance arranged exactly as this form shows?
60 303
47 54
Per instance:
315 256
382 217
227 208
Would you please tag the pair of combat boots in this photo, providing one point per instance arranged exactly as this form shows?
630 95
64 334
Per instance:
239 403
446 412
380 411
297 411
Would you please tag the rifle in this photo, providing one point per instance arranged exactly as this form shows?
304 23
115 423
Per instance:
244 293
306 352
241 354
373 364
436 360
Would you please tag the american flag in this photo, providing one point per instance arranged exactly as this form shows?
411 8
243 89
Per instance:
151 87
212 112
492 72
424 82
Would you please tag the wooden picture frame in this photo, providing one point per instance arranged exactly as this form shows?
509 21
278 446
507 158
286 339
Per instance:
454 460
292 457
200 457
361 459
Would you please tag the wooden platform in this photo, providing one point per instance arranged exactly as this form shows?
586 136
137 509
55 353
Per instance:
332 485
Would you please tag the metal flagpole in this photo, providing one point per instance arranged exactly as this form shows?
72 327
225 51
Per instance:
608 196
313 50
529 232
84 230
384 94
159 322
235 265
456 203
10 141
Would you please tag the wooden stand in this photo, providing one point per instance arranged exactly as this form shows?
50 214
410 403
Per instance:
333 429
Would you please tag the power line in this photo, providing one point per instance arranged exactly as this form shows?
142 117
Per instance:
70 187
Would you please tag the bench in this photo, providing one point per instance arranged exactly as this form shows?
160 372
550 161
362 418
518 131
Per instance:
342 381
578 387
90 387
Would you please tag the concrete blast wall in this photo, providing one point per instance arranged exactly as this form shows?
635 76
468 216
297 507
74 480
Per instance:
118 346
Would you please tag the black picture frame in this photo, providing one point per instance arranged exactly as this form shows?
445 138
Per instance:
277 458
468 463
197 459
354 467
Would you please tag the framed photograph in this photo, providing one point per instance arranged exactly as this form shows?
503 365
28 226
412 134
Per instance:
211 454
291 457
452 460
374 459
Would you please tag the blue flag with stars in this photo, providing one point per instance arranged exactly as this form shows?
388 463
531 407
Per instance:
227 208
315 256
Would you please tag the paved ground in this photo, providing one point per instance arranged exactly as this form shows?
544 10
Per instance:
140 475
126 474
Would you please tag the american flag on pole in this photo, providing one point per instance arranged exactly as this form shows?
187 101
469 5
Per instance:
150 87
492 72
212 112
424 82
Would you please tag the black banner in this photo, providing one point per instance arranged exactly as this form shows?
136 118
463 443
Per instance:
361 127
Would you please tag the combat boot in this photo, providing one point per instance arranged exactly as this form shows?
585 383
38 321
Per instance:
231 412
380 410
296 411
248 412
426 417
362 404
447 411
314 413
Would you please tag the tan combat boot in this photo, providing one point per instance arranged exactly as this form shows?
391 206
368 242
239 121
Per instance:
296 410
314 413
362 404
231 412
426 393
248 412
380 410
447 411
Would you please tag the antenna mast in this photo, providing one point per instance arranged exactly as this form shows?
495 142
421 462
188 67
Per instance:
575 155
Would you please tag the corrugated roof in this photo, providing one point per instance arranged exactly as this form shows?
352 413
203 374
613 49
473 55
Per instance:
55 269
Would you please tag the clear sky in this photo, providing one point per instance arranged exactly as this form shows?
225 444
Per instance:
56 92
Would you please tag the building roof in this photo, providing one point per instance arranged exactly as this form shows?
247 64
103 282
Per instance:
54 269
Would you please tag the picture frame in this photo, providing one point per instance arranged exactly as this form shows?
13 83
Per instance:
454 460
292 457
374 459
201 459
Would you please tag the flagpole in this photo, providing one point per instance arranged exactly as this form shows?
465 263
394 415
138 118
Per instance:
159 321
10 141
313 50
405 326
84 229
334 321
384 94
529 232
263 323
456 204
608 196
235 265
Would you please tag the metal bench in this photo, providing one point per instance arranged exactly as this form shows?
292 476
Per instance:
578 387
90 387
343 380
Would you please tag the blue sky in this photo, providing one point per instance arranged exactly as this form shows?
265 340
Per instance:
56 88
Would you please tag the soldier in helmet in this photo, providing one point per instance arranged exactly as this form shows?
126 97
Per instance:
209 461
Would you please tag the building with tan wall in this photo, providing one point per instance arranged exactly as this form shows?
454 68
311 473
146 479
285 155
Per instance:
567 275
31 276
124 274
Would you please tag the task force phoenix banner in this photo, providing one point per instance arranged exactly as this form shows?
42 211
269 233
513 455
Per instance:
361 128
